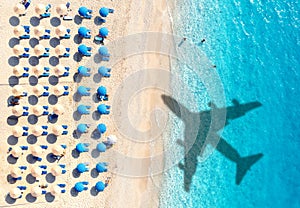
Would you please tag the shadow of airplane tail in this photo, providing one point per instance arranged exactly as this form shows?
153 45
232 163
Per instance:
243 165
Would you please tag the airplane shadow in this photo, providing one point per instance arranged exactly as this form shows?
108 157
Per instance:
194 147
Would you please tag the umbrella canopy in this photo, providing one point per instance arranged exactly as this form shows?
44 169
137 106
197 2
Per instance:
19 30
102 70
103 31
19 8
81 168
80 147
58 90
83 11
82 109
40 9
15 172
58 150
38 111
15 193
57 130
58 109
18 70
112 139
55 190
103 12
39 31
101 128
38 70
101 147
59 70
82 31
39 50
16 152
101 108
56 170
82 90
36 172
60 50
61 30
101 91
17 110
83 49
100 167
100 186
36 191
17 131
17 90
82 70
82 128
38 90
103 51
79 187
62 9
36 150
37 131
18 50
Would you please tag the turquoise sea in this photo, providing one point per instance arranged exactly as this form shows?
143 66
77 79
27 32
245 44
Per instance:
255 45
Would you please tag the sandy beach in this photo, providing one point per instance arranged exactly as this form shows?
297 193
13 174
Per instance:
129 17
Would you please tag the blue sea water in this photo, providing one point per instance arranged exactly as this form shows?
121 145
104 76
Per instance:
255 45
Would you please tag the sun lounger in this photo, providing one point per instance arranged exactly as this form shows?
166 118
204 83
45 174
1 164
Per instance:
45 15
25 37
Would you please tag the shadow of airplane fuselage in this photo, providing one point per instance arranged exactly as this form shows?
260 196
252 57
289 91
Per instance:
195 147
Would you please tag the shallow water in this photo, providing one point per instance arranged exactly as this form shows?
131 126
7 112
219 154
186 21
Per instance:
255 46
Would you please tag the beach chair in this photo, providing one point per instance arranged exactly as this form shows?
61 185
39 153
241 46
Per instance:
63 191
62 165
98 38
62 185
45 15
25 128
25 36
67 35
26 28
24 147
68 18
22 187
47 35
63 146
23 167
111 10
25 75
68 4
44 147
48 7
43 166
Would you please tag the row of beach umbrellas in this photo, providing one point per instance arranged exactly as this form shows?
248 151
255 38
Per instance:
39 50
37 131
61 9
39 70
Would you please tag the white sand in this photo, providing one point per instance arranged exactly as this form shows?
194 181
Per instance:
130 17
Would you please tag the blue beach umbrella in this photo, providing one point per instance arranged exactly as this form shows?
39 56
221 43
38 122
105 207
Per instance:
83 31
101 91
102 70
81 89
81 168
101 147
79 187
100 186
82 70
82 109
103 32
83 49
101 108
103 51
82 128
80 147
101 128
83 11
101 167
103 12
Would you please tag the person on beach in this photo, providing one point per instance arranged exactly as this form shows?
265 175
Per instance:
61 156
182 41
203 40
107 181
15 100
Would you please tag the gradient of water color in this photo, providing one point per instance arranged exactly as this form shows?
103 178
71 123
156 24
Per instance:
256 48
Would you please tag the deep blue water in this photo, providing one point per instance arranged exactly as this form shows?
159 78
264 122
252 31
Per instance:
256 48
